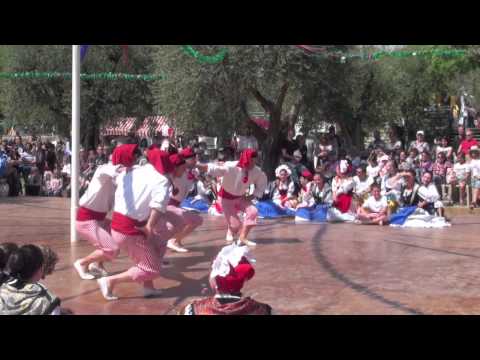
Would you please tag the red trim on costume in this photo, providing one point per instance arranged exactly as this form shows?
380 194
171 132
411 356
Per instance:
343 203
85 214
125 225
226 195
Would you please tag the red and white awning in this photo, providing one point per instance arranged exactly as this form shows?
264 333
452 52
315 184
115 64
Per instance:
155 125
121 127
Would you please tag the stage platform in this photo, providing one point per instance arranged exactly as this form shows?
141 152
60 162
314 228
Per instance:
301 269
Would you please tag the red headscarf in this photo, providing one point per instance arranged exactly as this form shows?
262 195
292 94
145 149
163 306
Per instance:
307 175
245 161
234 281
187 153
160 161
176 160
124 155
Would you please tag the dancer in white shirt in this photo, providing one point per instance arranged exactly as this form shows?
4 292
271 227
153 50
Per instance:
237 178
184 221
138 222
94 206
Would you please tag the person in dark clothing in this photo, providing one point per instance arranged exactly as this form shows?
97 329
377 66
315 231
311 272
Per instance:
302 147
288 147
51 157
40 157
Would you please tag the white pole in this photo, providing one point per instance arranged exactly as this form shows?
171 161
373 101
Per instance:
75 174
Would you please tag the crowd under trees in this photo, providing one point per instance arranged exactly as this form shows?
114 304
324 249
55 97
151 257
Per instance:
281 81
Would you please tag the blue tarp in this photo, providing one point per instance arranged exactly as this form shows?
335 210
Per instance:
269 210
198 205
401 216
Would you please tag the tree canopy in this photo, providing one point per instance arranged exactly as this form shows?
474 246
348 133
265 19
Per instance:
282 81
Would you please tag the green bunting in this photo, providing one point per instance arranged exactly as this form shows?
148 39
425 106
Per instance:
208 59
378 55
68 76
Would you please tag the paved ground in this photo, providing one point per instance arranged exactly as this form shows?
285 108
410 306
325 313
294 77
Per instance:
301 269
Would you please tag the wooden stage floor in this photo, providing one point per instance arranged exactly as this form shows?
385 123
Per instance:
301 269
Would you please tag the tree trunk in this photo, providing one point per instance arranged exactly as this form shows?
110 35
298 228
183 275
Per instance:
270 144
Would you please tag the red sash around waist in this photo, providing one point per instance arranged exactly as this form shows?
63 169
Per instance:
125 225
174 202
85 214
226 195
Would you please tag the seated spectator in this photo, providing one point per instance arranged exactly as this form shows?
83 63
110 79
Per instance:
429 196
460 176
279 198
230 270
362 182
322 151
34 183
420 144
394 144
22 294
321 190
439 170
476 122
475 174
375 209
444 148
315 201
55 185
6 249
403 163
373 168
409 191
342 188
426 164
282 190
305 191
413 159
318 192
468 143
297 168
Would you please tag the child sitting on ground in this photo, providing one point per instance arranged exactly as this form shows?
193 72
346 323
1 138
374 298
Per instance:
55 186
6 249
375 209
23 294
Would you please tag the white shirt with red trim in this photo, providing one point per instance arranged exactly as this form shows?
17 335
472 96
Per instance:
141 189
233 178
101 190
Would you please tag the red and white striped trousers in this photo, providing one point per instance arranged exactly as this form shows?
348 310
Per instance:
146 254
98 234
